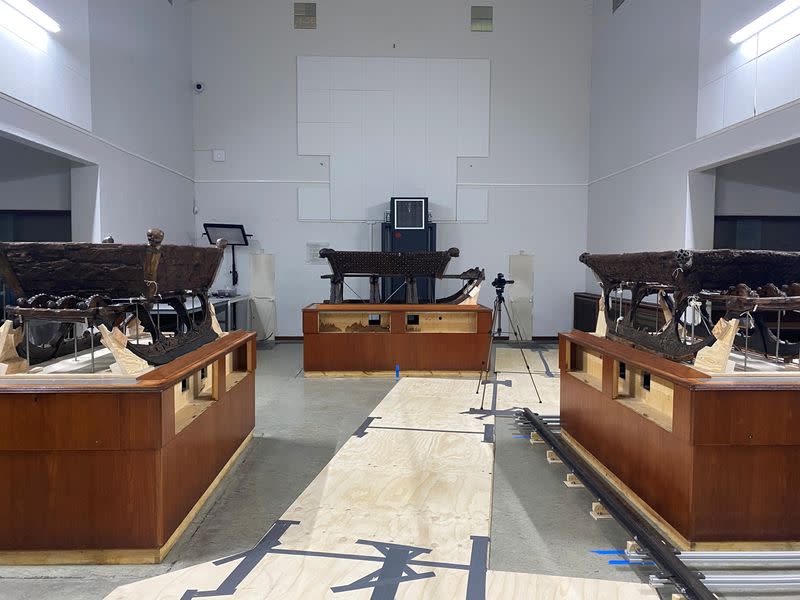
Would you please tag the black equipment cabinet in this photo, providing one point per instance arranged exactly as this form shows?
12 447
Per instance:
408 240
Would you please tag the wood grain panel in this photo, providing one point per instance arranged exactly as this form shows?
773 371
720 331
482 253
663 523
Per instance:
632 447
59 422
78 499
89 472
726 473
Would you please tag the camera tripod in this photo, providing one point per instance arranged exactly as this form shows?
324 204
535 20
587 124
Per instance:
496 331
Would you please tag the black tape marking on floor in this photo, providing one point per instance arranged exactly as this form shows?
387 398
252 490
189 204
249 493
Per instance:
394 571
478 564
251 558
396 568
488 433
389 427
362 429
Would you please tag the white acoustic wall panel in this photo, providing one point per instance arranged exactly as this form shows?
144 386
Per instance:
710 106
348 73
392 126
314 139
50 71
313 73
442 164
760 74
348 106
313 203
778 78
473 107
411 126
378 152
347 169
740 94
379 74
473 204
314 106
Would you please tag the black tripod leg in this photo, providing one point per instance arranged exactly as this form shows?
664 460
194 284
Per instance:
486 365
518 335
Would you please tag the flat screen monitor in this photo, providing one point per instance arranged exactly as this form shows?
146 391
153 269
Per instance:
233 234
409 213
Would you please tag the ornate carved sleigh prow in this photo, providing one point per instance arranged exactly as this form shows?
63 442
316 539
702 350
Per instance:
113 284
748 283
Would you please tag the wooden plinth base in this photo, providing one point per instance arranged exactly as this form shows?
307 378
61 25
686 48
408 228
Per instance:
122 556
664 528
389 374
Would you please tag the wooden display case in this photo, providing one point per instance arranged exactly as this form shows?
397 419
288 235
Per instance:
376 337
104 469
713 461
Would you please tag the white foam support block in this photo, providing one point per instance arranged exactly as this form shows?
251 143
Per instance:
474 98
313 203
262 275
473 204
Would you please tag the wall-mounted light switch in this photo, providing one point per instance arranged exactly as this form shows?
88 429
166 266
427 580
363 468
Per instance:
218 155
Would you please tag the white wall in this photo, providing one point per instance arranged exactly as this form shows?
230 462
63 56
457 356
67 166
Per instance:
642 152
32 180
739 81
142 123
50 71
763 185
246 50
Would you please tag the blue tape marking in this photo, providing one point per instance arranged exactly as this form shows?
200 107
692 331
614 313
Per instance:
397 371
627 562
524 437
609 552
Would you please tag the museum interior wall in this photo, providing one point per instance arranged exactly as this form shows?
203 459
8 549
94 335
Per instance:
139 62
535 174
644 107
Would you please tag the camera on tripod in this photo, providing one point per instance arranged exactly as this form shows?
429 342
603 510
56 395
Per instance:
500 282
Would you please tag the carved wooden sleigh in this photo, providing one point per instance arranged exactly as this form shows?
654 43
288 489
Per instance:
748 283
408 265
112 284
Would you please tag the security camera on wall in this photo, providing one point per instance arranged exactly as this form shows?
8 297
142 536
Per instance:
199 87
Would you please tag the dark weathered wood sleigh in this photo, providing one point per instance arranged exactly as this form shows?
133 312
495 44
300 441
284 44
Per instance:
749 284
408 265
111 284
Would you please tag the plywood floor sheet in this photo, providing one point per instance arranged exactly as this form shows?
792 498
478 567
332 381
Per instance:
401 511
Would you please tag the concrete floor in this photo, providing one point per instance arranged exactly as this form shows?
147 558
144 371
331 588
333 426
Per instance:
538 525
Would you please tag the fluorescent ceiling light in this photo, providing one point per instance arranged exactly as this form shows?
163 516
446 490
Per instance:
23 27
35 14
765 20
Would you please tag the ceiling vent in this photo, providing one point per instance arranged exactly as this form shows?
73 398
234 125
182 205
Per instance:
615 4
305 15
482 17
